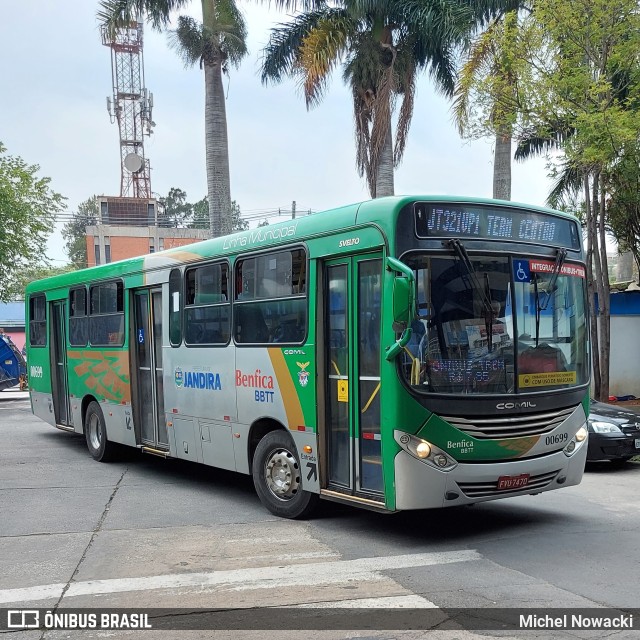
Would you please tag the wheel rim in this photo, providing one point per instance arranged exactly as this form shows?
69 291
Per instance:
95 433
282 474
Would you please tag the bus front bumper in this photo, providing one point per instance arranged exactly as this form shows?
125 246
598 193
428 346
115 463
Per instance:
421 486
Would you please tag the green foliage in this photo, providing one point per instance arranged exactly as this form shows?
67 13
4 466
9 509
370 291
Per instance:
74 232
27 211
623 185
587 77
177 212
36 273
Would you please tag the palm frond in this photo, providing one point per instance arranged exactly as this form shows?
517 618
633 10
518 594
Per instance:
321 51
567 185
189 41
478 56
113 14
408 86
280 56
224 40
535 144
298 5
232 29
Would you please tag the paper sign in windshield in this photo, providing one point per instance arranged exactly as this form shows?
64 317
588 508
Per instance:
547 379
542 266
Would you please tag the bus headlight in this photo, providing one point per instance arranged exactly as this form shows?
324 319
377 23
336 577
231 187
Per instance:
425 451
576 442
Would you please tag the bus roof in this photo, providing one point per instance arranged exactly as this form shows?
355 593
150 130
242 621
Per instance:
370 211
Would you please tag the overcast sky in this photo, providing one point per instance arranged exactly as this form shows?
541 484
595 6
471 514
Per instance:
56 75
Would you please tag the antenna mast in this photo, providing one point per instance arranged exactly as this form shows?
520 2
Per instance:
131 107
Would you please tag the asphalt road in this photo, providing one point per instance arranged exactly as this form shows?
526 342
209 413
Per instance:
145 532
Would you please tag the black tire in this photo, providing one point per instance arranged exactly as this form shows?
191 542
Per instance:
277 477
95 433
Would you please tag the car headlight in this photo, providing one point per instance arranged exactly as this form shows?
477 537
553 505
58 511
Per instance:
604 427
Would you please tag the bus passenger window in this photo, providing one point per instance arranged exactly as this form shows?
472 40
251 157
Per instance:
78 320
106 314
37 321
271 303
207 310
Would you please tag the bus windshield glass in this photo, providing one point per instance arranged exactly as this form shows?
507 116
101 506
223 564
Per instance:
496 325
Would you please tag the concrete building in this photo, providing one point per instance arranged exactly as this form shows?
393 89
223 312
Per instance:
130 227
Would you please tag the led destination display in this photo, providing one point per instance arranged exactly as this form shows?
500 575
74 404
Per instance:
450 220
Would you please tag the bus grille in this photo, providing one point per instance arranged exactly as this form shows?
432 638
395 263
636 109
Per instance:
488 489
513 426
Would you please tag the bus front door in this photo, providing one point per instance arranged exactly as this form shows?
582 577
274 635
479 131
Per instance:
352 446
59 378
148 392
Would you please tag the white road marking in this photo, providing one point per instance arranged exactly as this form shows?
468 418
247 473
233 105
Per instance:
311 574
388 602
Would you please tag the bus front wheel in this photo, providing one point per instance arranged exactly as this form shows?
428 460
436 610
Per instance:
95 432
277 476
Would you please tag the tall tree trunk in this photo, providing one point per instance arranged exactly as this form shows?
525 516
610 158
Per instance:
502 165
605 305
216 143
384 174
591 284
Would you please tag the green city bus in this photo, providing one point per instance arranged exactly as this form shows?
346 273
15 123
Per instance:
400 353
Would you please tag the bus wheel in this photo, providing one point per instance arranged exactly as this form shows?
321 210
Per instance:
95 432
277 477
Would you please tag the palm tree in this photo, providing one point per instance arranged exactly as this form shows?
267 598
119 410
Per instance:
489 68
382 45
215 44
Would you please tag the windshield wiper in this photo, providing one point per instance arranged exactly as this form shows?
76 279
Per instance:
561 255
460 250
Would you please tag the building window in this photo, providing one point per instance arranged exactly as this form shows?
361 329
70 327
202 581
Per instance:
207 307
37 321
78 320
97 250
107 250
152 246
270 298
106 314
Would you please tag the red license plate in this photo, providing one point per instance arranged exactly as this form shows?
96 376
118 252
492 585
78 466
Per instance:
513 482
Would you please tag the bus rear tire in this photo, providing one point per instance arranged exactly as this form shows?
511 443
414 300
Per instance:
95 432
277 477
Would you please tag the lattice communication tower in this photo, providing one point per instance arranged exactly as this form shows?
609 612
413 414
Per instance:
131 107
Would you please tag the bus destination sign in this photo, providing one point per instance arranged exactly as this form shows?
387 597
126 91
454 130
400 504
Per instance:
452 220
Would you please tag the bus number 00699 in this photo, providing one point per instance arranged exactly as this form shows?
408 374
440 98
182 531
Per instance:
557 439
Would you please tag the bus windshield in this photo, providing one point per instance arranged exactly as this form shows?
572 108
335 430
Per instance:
496 325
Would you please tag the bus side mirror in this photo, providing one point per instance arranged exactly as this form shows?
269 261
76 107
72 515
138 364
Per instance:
403 305
402 302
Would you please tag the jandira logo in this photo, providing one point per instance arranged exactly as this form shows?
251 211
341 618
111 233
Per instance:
197 380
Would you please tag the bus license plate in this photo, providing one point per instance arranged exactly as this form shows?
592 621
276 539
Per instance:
513 482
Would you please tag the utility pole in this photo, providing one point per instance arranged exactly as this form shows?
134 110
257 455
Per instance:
293 210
